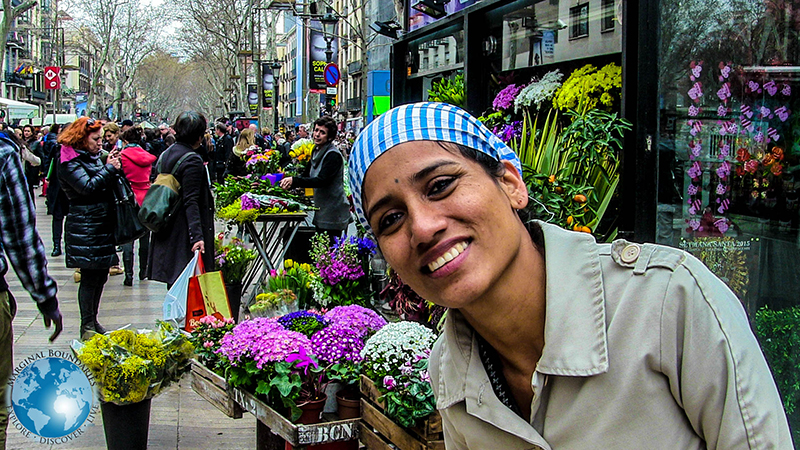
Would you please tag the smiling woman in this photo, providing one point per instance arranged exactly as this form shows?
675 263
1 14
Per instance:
545 324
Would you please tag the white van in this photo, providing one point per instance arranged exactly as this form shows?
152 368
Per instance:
48 119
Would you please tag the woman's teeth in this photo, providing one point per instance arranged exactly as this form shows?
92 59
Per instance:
448 256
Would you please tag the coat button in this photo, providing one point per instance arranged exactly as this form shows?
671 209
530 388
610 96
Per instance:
630 253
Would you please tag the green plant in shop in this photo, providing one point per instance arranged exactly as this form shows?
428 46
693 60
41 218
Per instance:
778 333
448 91
572 173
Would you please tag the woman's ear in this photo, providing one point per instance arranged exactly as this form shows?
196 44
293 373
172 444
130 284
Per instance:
514 186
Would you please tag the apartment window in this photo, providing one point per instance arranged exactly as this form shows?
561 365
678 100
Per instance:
607 21
579 21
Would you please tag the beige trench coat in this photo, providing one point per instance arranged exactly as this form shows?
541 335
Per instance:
644 349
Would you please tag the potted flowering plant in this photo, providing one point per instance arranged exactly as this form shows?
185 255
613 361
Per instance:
342 270
264 163
295 277
271 304
206 338
130 368
396 360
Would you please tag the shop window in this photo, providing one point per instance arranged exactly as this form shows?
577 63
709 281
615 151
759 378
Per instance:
579 21
607 21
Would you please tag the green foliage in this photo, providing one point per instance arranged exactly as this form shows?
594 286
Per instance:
572 174
410 400
448 91
779 335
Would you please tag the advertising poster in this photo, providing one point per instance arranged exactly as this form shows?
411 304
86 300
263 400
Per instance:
734 260
317 57
252 99
267 85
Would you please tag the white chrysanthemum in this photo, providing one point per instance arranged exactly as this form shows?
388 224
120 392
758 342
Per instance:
397 343
539 91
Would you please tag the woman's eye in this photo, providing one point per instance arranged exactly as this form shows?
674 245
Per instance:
440 185
388 221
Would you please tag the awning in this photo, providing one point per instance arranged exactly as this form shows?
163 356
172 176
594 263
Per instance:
146 124
18 110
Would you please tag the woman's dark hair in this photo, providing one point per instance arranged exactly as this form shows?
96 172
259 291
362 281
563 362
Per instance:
169 140
133 135
30 127
189 127
54 128
150 134
330 124
492 166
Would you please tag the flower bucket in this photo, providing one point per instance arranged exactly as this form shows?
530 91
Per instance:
126 426
332 391
234 299
312 411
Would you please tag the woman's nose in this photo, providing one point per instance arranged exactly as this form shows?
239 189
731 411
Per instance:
426 224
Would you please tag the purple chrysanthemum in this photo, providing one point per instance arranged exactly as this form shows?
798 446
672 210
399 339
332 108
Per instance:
505 98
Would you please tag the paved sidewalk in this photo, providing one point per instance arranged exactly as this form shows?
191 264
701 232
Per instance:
179 419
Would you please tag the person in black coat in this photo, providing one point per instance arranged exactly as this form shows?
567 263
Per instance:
192 227
57 201
89 237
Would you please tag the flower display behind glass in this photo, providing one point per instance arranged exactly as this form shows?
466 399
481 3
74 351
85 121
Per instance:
131 366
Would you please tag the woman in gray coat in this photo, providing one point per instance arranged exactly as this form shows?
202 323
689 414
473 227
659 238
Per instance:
192 227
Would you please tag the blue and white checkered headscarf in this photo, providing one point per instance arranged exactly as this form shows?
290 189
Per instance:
420 122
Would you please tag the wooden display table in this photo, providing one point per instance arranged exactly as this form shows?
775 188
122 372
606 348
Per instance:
214 389
272 425
379 432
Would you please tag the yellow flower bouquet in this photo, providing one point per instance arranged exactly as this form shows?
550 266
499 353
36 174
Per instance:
131 366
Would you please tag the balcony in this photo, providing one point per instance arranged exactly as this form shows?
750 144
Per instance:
353 104
354 68
14 79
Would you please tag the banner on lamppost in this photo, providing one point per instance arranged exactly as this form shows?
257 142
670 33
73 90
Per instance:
267 85
252 98
317 57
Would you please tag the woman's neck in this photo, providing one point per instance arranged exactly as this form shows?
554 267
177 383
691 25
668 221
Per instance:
511 316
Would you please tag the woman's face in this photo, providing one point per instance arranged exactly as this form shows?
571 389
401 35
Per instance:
111 137
447 227
320 135
93 142
27 132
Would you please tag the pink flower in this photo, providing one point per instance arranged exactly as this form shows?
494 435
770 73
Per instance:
389 382
208 344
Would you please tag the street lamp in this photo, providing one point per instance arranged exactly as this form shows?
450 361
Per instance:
329 22
276 71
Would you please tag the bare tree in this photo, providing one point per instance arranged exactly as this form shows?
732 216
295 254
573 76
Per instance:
10 14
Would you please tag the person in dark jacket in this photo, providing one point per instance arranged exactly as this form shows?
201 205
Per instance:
57 201
236 161
326 176
192 227
222 152
32 172
89 238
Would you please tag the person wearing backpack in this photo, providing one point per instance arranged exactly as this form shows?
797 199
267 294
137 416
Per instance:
192 226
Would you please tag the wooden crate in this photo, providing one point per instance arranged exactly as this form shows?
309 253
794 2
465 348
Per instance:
215 389
379 431
298 435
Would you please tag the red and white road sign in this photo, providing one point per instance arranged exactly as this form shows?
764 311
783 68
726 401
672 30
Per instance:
52 77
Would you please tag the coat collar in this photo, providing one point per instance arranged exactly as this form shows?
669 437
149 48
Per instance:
575 326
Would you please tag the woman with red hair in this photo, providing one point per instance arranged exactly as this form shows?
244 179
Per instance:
89 237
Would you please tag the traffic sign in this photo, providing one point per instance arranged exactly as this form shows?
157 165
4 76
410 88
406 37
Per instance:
331 91
331 74
52 79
